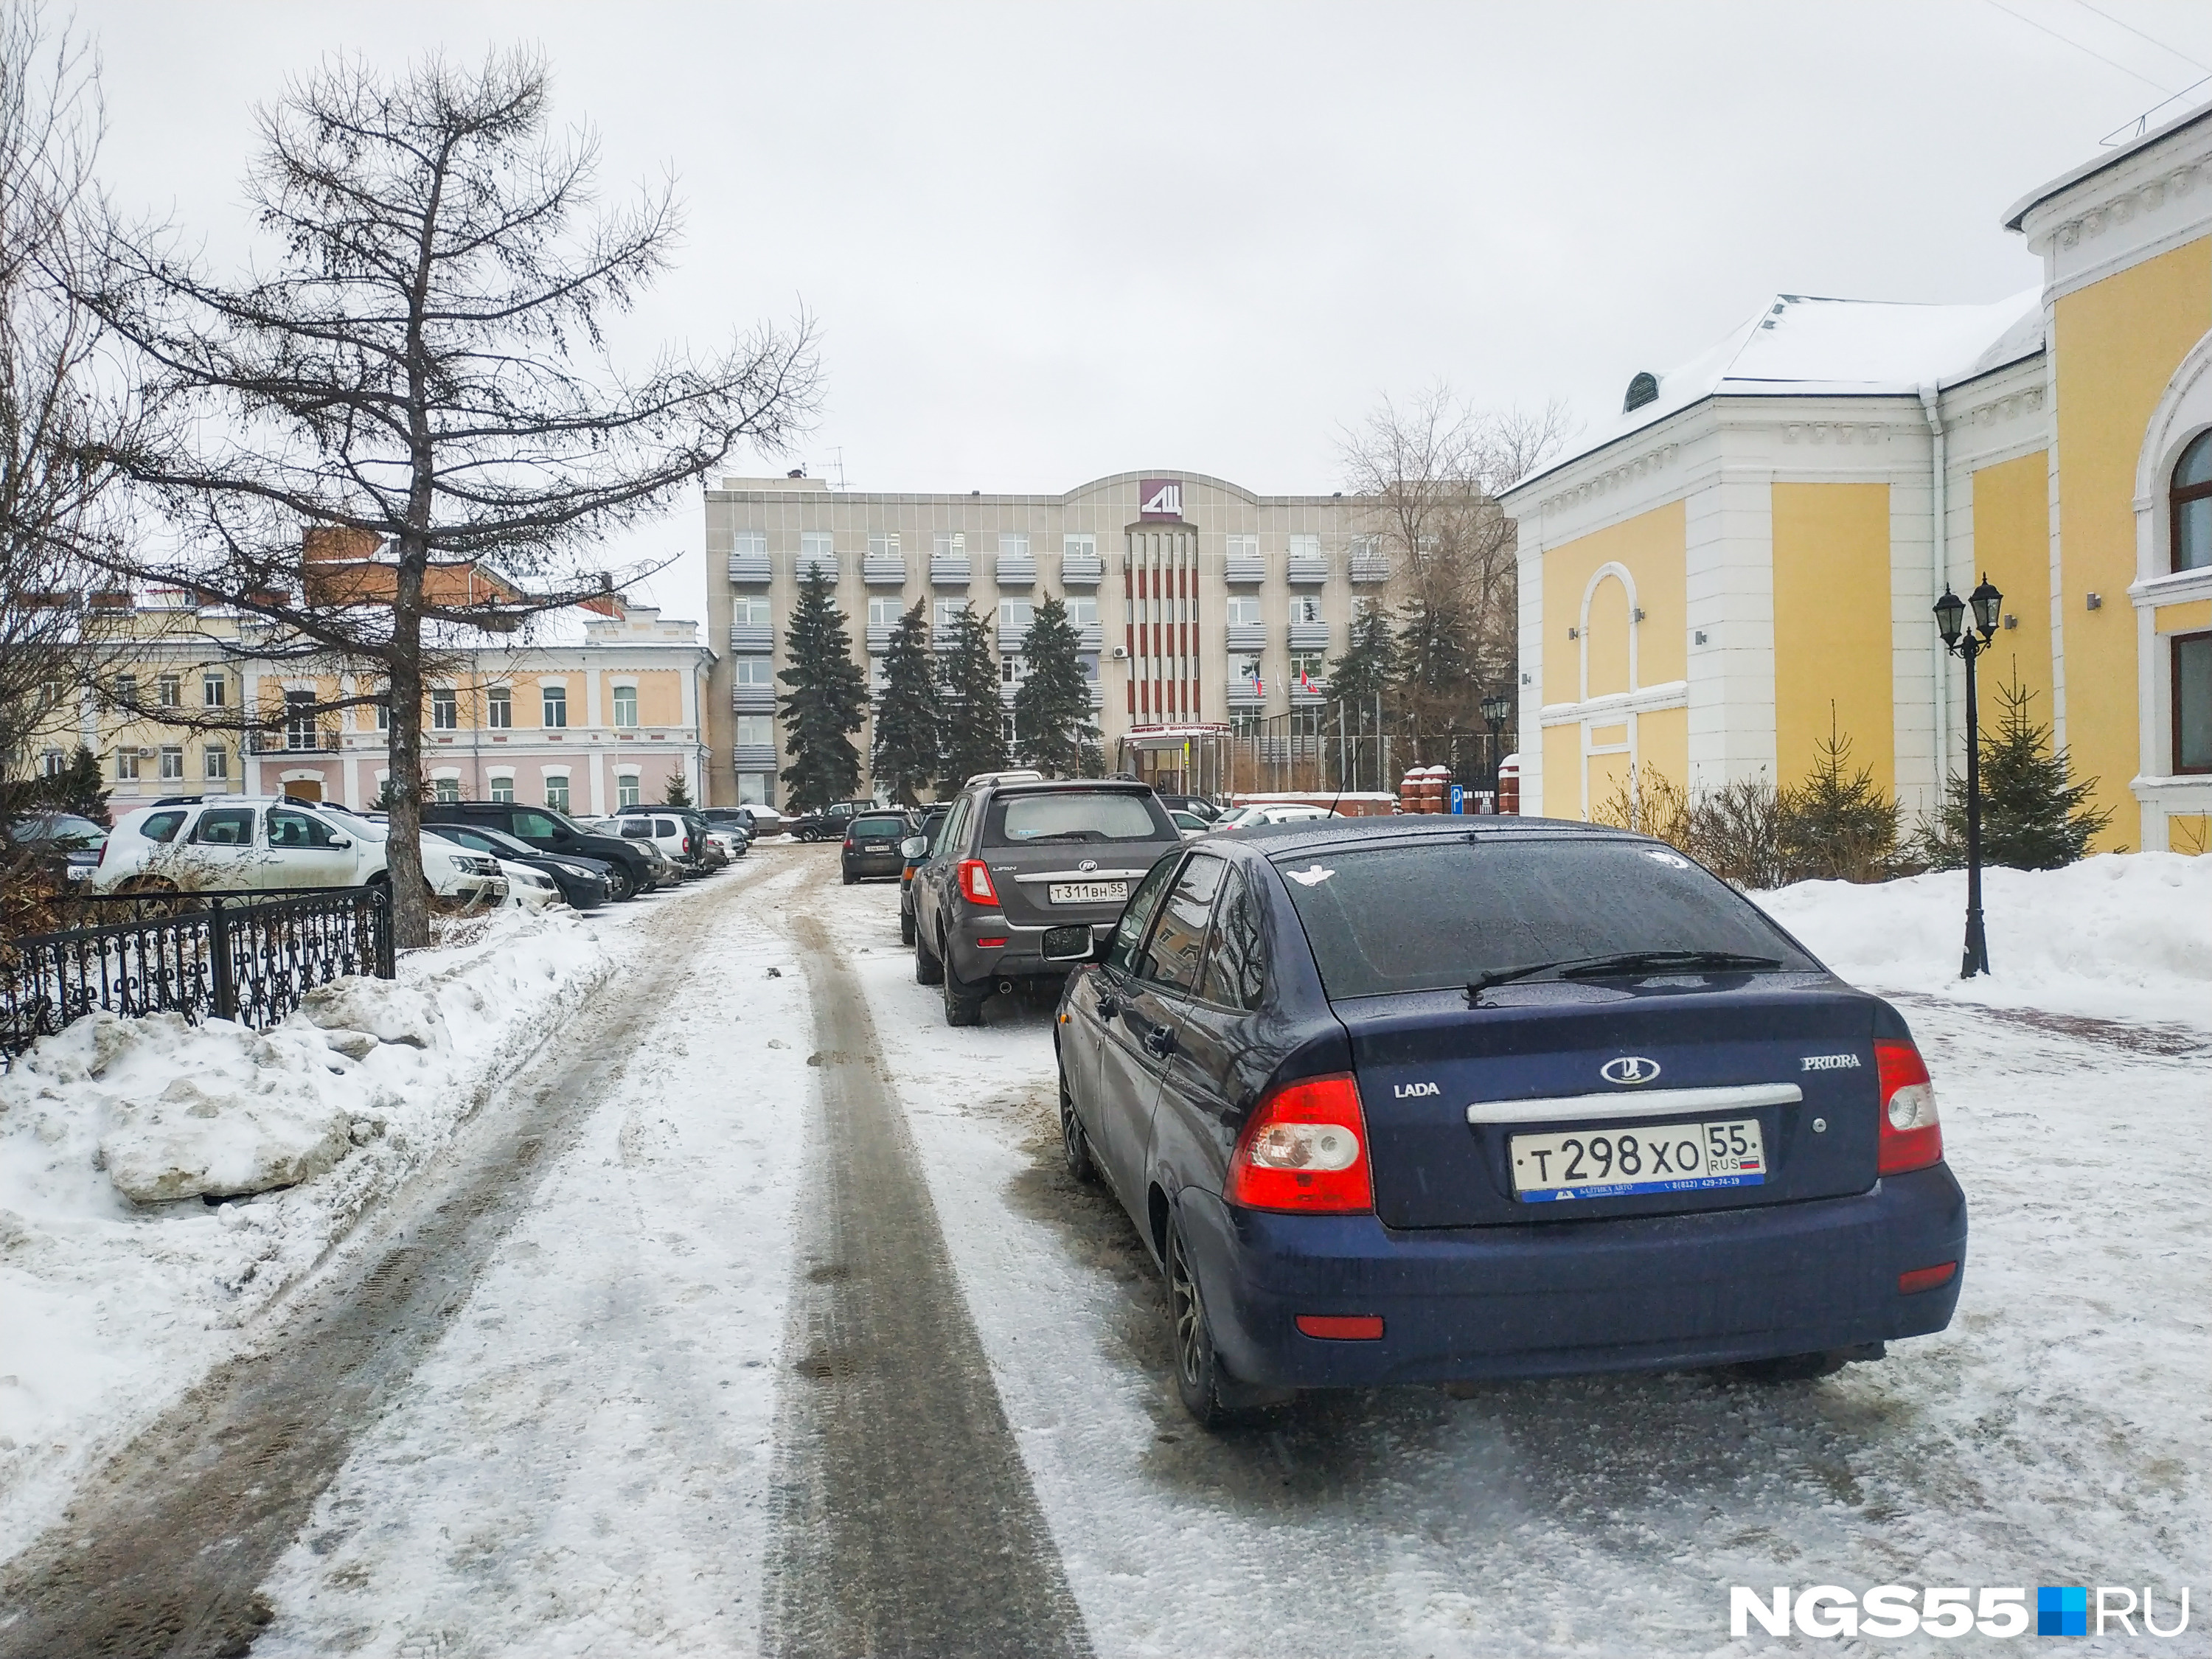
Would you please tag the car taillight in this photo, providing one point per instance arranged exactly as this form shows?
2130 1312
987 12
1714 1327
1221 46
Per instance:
687 843
1911 1139
1304 1151
975 883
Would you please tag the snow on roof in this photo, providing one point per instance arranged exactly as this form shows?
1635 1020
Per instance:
1803 345
2096 164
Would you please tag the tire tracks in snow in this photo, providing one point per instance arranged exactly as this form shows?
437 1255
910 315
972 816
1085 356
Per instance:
164 1550
903 1519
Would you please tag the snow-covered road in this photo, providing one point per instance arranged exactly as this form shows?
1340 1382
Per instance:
585 1458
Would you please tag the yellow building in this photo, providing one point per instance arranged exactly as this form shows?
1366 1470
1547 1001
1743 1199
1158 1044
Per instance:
1745 562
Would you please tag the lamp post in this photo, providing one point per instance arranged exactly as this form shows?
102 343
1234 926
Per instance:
1969 642
1495 707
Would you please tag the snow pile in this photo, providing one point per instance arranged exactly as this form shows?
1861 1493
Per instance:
2122 936
160 1182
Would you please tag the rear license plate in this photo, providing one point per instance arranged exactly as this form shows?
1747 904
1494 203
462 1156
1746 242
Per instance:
875 847
1087 892
80 872
1658 1157
1066 944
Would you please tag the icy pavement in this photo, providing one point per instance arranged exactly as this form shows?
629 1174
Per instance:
2057 1433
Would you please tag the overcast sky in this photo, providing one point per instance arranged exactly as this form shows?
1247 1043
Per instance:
1045 243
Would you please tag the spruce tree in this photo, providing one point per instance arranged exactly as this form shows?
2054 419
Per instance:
677 793
1439 680
1368 667
1838 824
972 727
78 788
2033 817
908 747
828 698
1052 708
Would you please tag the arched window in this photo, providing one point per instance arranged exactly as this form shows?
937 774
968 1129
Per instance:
2192 506
1642 389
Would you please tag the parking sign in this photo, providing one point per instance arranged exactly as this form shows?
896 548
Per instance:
1459 798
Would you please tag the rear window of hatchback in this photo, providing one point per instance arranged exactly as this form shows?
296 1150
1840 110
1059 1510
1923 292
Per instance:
1071 816
884 829
1435 914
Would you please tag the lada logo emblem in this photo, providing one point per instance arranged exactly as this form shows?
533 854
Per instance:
1629 1068
1088 865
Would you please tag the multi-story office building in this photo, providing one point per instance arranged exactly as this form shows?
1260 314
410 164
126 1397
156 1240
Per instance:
1199 602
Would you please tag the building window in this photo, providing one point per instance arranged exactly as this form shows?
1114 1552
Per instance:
502 788
1244 666
625 706
1083 610
751 670
884 545
1013 669
1007 727
51 762
170 690
816 544
753 542
1243 610
126 689
2192 506
383 713
752 788
756 730
216 762
1017 614
556 700
2193 703
1018 546
749 610
1078 547
948 613
879 675
173 762
499 708
884 612
1305 547
626 789
126 765
445 711
446 789
1304 608
950 544
556 793
1241 547
299 720
1307 672
214 690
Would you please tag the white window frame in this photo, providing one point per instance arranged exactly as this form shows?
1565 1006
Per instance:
551 698
621 695
499 708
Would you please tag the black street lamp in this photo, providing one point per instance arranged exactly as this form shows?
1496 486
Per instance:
1970 643
1495 709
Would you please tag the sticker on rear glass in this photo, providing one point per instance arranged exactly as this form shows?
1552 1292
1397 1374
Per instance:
1312 878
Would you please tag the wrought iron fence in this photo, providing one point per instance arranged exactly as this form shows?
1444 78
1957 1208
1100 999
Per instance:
247 956
1331 749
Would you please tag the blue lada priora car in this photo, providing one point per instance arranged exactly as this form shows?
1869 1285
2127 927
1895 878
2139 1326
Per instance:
1428 1100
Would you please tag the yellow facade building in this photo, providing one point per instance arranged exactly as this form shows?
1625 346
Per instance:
1746 561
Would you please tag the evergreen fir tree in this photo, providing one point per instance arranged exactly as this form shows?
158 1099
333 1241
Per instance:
973 725
677 793
908 745
1052 708
828 699
1838 824
1439 680
1368 668
2032 819
76 787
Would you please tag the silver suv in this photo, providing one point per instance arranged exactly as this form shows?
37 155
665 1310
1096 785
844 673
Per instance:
1027 879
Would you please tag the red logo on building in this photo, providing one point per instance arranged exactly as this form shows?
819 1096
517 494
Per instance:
1159 498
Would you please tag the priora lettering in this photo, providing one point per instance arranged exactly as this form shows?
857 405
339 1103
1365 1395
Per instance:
1832 1062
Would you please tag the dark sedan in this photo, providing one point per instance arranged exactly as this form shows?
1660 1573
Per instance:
921 835
872 845
583 882
1404 1100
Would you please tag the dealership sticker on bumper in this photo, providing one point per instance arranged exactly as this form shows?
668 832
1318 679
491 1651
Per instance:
1659 1158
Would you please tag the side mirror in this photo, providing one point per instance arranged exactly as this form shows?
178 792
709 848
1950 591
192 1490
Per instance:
913 847
342 841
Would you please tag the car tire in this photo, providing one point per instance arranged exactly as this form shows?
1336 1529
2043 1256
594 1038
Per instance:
927 969
906 928
619 885
1206 1388
849 877
962 1007
1075 1144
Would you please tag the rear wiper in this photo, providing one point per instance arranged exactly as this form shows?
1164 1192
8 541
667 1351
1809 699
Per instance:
1614 962
1057 835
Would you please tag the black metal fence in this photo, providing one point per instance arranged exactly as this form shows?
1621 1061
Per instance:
1324 748
247 956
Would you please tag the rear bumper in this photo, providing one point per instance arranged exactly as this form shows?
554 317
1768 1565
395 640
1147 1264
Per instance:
872 864
1656 1293
1022 956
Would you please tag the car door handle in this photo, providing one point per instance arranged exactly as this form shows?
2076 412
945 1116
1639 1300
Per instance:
1109 1008
1160 1040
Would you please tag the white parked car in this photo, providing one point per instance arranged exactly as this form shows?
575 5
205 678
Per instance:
1251 817
528 889
250 843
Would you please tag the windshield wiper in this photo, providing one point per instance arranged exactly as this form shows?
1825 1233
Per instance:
1057 835
1615 962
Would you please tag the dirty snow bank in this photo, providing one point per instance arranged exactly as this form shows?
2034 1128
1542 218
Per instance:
2122 936
120 1284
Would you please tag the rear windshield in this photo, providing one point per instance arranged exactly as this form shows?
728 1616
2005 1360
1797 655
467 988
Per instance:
890 828
1076 815
1437 915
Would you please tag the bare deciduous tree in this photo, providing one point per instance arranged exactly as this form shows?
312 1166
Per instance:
424 369
61 408
1430 470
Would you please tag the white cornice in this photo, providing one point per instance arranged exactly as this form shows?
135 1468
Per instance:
1618 704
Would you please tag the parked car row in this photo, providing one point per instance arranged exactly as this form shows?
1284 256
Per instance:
1429 1099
